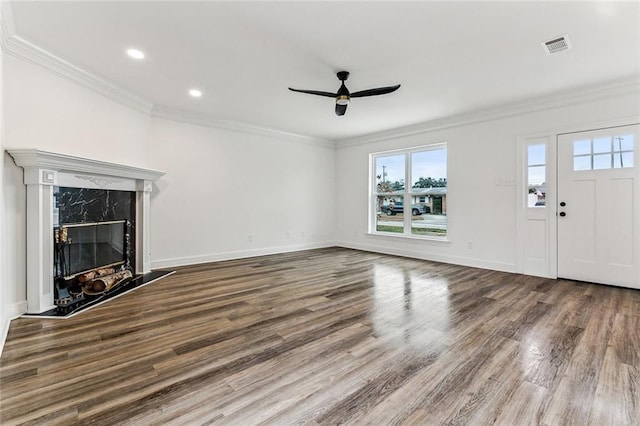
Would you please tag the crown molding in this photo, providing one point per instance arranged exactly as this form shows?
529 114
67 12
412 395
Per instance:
206 120
556 100
27 51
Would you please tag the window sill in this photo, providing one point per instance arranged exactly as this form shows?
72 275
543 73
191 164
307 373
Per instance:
393 236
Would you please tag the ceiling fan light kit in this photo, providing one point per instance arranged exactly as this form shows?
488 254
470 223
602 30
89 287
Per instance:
342 100
343 96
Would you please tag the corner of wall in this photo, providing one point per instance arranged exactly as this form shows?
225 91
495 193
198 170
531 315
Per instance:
10 313
4 322
4 329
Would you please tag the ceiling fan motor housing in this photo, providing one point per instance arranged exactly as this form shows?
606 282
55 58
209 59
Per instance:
343 96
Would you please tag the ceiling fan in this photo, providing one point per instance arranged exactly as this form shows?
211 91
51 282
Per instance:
343 95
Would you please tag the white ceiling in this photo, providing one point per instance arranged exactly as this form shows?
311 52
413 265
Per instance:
450 57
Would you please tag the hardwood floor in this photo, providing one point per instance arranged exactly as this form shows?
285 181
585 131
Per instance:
333 336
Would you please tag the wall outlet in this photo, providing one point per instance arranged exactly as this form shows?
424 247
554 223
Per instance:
469 245
250 238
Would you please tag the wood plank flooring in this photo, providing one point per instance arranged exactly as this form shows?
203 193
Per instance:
333 336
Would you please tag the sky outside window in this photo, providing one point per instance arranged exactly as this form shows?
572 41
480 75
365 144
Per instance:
429 164
536 158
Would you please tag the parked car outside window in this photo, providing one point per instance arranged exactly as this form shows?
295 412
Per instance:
392 209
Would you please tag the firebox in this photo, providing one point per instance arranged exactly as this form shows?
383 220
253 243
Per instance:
83 247
90 260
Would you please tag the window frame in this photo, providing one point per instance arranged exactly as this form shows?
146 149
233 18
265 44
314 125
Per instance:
408 191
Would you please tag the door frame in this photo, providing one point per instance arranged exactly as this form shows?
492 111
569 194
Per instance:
530 259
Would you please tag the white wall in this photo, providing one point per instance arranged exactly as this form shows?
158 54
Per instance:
229 194
49 112
480 156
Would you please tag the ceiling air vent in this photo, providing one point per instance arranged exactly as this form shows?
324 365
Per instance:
556 45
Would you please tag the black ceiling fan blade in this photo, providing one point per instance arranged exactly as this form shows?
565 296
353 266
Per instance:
340 109
315 92
375 92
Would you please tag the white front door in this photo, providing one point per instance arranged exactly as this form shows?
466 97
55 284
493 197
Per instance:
598 224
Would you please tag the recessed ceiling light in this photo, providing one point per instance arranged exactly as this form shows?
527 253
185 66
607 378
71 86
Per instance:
135 53
195 93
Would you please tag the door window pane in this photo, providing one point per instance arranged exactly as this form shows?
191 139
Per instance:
623 143
582 147
536 154
623 160
601 145
601 161
582 163
536 175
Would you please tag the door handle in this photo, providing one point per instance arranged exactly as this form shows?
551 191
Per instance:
563 214
562 204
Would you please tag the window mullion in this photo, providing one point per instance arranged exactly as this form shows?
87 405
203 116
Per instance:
407 196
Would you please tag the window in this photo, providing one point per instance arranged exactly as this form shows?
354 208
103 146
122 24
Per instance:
417 209
536 175
602 153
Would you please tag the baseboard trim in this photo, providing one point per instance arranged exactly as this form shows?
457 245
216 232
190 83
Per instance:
455 260
232 255
12 312
243 254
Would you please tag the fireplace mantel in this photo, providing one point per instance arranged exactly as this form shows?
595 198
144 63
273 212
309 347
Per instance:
42 172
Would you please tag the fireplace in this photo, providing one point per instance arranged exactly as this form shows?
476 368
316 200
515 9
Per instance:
82 213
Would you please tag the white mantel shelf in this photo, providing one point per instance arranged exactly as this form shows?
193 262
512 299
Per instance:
43 171
62 162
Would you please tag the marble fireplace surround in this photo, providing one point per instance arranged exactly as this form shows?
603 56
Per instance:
43 171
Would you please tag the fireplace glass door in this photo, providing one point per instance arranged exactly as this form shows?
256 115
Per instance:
86 246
